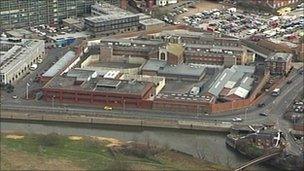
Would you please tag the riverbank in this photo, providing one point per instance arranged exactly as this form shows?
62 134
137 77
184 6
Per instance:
155 123
58 152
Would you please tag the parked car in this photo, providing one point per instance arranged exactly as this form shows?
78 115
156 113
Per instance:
236 119
15 97
107 108
263 114
261 104
289 81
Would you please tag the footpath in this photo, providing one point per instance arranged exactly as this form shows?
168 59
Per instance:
83 119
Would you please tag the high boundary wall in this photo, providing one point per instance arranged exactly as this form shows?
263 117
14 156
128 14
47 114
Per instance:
240 104
10 115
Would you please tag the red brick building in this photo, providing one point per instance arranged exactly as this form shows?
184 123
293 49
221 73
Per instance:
279 63
99 91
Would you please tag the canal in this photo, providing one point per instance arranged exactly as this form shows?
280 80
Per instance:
209 144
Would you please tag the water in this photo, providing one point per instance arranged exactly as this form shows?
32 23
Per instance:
210 144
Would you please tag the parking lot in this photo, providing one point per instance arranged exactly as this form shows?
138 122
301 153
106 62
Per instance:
241 24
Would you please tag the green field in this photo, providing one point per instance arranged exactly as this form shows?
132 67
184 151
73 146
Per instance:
56 152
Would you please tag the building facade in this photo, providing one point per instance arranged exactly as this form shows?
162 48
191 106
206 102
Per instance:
279 63
17 14
111 24
17 56
274 3
206 48
99 91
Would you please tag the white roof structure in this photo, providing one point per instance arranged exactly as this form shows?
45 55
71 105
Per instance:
237 79
60 64
239 91
111 74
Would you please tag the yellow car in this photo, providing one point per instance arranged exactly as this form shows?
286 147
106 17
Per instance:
107 108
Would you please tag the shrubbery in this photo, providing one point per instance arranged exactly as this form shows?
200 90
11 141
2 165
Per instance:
49 140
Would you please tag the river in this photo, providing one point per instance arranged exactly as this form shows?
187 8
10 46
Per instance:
210 144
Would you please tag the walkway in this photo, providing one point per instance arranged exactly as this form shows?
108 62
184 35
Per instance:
259 159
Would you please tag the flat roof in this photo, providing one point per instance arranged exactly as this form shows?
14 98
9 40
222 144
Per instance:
19 32
132 41
69 35
98 19
100 84
182 70
154 65
60 64
151 21
187 33
185 97
109 9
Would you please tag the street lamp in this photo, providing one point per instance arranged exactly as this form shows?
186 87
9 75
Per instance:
246 113
124 106
27 89
53 102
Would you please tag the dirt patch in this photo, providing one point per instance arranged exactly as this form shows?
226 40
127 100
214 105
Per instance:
15 137
18 160
199 7
75 138
111 142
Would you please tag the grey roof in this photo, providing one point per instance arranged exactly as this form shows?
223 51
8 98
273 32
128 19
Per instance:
252 45
133 41
238 74
97 19
182 70
60 64
108 83
151 21
280 57
209 46
154 65
162 68
105 85
220 82
246 82
81 74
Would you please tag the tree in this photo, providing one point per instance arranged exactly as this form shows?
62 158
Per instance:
49 140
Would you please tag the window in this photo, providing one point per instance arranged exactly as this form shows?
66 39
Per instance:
162 56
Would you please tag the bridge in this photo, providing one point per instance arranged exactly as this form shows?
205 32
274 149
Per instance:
259 159
263 52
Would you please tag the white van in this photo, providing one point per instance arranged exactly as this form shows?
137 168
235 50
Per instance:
39 60
33 67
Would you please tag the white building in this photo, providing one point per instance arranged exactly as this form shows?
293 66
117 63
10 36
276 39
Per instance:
17 56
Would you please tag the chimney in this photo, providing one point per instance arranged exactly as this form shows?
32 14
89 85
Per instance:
123 4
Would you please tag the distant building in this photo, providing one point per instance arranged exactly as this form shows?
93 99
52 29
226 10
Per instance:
125 47
18 14
274 3
207 48
279 63
165 2
17 56
109 25
109 20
